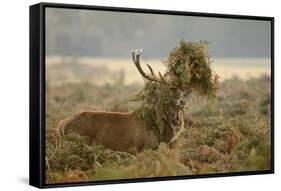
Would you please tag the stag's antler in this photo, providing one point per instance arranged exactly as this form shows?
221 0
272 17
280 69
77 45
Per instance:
136 58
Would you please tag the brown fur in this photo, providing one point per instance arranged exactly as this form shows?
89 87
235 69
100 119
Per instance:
118 131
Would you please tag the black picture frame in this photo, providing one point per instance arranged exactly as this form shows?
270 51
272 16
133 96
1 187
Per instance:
37 93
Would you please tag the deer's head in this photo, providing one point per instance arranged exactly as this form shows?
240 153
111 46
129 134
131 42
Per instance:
177 95
188 68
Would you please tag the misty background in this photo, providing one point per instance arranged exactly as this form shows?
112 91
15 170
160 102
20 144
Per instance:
95 46
93 33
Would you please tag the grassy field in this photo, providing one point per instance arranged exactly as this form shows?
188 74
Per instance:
231 134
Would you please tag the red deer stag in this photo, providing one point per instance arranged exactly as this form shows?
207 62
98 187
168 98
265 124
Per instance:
126 131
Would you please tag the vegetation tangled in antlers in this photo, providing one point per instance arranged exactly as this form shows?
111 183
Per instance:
188 69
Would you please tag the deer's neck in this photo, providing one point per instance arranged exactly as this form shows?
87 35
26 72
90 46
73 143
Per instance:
172 123
163 122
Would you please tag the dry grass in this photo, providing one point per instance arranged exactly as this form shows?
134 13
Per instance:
228 135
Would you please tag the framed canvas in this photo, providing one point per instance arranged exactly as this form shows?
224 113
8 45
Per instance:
122 95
